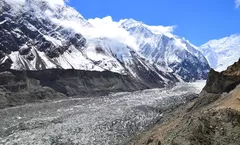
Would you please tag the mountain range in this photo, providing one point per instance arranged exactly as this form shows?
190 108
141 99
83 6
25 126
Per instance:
36 35
58 69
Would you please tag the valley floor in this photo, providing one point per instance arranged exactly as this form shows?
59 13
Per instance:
112 119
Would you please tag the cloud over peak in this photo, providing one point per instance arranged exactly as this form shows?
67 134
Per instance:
104 27
107 27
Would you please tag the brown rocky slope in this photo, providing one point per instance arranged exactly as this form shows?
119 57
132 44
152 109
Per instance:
211 119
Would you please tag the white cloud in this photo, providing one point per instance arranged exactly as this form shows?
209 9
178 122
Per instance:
161 29
98 28
237 2
106 27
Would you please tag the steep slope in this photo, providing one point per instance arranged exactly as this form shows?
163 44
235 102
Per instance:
167 51
223 52
32 41
212 118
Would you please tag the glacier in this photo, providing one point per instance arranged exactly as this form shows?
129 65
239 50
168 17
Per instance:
112 119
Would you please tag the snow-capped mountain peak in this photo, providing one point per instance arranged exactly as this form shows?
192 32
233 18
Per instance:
131 23
165 50
223 52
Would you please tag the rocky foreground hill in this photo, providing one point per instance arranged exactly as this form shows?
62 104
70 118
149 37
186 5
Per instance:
212 118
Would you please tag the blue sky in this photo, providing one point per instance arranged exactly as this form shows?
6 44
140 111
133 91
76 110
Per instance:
197 20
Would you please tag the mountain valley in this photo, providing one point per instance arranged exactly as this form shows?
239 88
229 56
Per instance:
69 80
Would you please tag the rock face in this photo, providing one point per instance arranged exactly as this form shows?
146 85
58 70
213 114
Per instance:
20 87
225 81
219 82
213 118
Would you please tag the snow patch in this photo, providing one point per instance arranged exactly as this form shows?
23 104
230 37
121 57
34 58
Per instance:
53 40
3 22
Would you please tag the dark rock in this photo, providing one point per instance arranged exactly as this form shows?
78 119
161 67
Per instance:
6 65
28 32
8 43
30 56
78 41
2 54
25 51
99 49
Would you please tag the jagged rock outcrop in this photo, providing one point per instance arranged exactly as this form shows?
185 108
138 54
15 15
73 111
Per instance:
225 81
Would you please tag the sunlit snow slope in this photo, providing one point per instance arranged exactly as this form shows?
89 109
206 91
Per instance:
167 51
223 52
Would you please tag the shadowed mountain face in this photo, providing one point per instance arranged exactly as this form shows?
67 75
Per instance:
20 87
212 118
